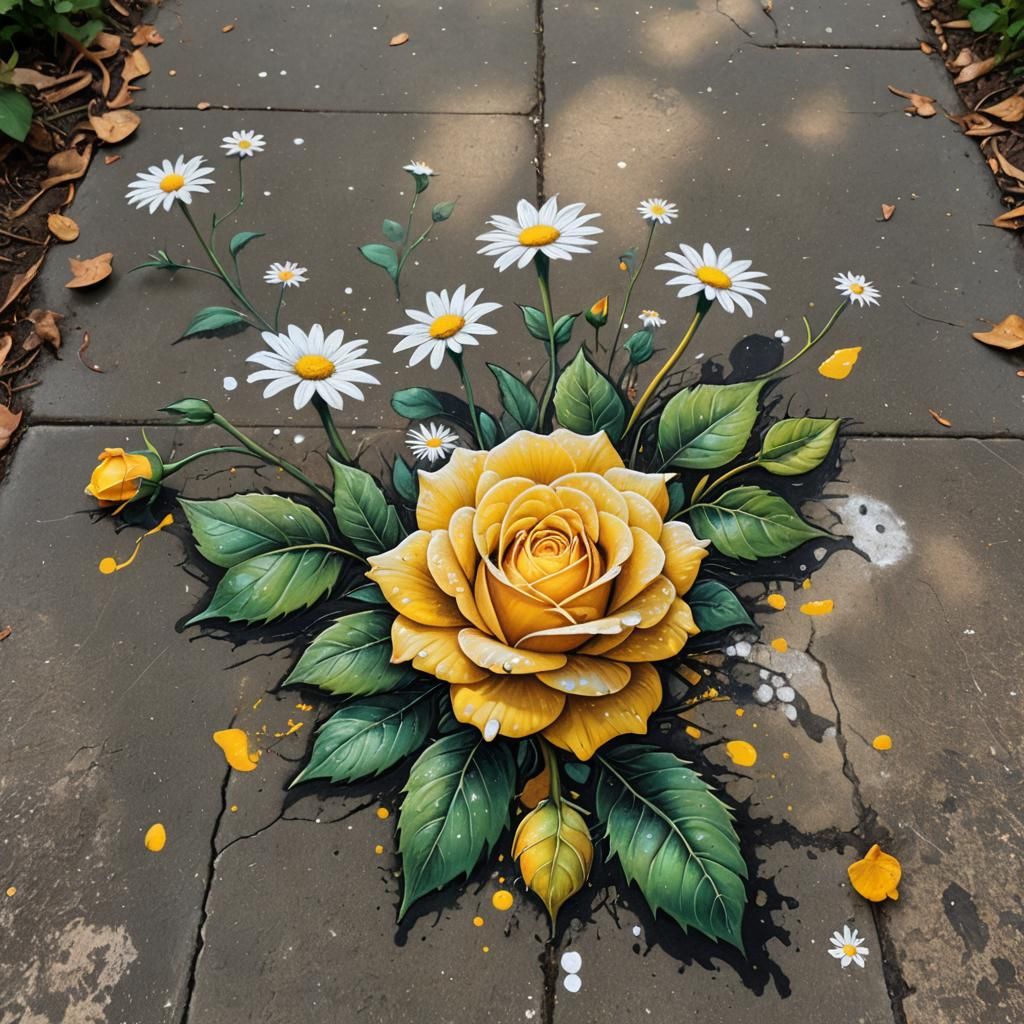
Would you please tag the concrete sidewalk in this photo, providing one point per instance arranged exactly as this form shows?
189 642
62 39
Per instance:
775 135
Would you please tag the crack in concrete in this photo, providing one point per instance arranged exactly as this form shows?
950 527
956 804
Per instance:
538 112
339 110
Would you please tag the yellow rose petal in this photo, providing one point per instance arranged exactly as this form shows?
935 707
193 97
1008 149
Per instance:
877 876
499 658
460 533
538 457
510 706
664 640
840 363
643 566
446 490
683 555
651 486
446 571
604 496
434 650
491 511
592 453
587 677
408 587
643 514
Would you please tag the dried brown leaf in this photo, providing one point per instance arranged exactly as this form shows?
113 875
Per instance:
958 23
975 70
1010 110
136 65
62 227
115 125
45 330
112 158
40 138
926 47
8 425
6 341
229 27
68 165
5 632
19 283
921 105
75 83
1010 170
888 209
1011 219
1007 334
203 105
399 40
146 35
926 5
941 420
120 8
978 126
86 273
82 349
962 59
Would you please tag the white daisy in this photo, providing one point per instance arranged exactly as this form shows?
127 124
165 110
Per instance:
326 366
651 318
449 325
417 167
432 442
161 185
287 274
847 947
243 144
856 289
660 211
556 233
717 275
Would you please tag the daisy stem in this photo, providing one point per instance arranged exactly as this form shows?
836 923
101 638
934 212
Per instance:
551 763
810 343
277 310
703 305
629 292
456 358
217 221
543 266
323 409
266 456
212 257
173 467
405 255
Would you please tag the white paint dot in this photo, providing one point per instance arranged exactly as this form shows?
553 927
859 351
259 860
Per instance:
262 74
348 291
299 438
491 729
571 962
621 165
230 383
277 431
637 930
298 142
572 983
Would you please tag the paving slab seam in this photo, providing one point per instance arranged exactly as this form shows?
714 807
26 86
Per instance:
339 110
539 127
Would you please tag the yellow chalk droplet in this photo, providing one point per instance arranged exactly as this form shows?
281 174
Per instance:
235 745
806 584
817 608
382 813
741 752
780 644
882 742
486 949
693 732
785 755
11 890
478 922
378 849
502 900
840 363
156 838
776 601
233 808
740 712
108 565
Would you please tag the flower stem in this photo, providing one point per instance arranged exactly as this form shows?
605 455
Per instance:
173 467
405 255
474 415
629 292
406 248
703 492
703 305
324 411
543 267
217 221
810 343
277 309
551 763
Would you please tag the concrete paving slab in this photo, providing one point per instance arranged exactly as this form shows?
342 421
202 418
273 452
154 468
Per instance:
786 157
462 56
322 187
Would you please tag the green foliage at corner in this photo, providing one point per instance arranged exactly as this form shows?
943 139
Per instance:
708 425
15 113
1003 19
30 19
715 607
587 402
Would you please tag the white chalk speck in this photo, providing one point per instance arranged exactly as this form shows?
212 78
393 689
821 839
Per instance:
299 438
571 962
230 383
572 983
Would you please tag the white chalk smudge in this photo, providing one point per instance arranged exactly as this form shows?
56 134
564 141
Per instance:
874 528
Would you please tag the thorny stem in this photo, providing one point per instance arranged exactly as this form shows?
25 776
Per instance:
324 411
543 267
474 415
810 343
629 292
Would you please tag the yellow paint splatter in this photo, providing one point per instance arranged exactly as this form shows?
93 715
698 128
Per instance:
693 732
478 922
740 712
156 838
233 808
817 608
741 752
303 707
501 857
257 704
882 742
235 745
840 363
806 584
486 949
502 900
776 601
692 677
293 727
780 644
110 565
785 755
11 890
378 849
536 789
383 813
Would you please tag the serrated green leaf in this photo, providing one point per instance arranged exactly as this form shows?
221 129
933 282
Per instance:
490 432
381 256
456 805
416 403
213 318
367 737
516 398
796 446
351 657
716 607
535 322
268 586
640 347
242 239
15 113
442 211
231 530
393 231
405 481
362 512
751 523
587 402
708 425
674 839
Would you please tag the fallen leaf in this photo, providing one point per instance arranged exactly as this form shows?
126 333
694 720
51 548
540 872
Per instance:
887 211
1007 334
1020 373
941 420
8 425
120 8
62 227
228 28
111 158
402 37
45 330
975 70
82 349
1011 220
136 65
1010 110
74 83
203 106
67 165
839 365
962 59
977 125
39 138
88 272
923 106
958 23
926 5
5 632
1006 167
6 341
146 35
926 47
115 125
19 283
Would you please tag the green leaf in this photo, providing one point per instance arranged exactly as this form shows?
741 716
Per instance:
242 239
442 211
715 607
416 403
405 481
351 657
535 322
393 232
456 805
231 530
213 318
192 410
796 446
587 402
382 256
983 18
15 114
273 584
640 347
362 512
422 181
367 737
578 771
674 838
751 523
368 593
706 426
676 499
563 329
516 398
490 432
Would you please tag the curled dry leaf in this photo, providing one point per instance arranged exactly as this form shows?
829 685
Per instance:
115 125
20 282
921 105
136 65
962 59
399 40
146 35
61 227
203 105
977 125
5 632
8 425
68 165
1007 334
45 330
112 158
958 23
229 28
82 349
926 5
888 209
73 83
6 341
926 47
1010 110
1004 165
1011 219
86 273
975 70
940 419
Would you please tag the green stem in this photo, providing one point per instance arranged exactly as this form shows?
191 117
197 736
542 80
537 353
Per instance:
324 411
721 480
217 221
173 467
405 255
810 343
406 248
629 292
703 305
551 763
597 341
323 547
277 308
474 415
543 268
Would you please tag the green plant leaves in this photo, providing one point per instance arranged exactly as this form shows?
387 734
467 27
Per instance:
640 347
490 431
587 402
242 239
516 398
405 481
367 737
352 657
751 523
382 256
231 530
442 211
563 329
456 804
213 318
416 403
15 113
796 446
715 607
537 325
706 426
393 232
674 838
362 512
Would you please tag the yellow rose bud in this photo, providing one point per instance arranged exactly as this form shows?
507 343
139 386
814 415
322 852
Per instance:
597 315
123 476
877 876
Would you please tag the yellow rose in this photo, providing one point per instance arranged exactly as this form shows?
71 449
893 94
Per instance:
541 583
120 476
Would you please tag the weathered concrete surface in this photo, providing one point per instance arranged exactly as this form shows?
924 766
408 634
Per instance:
463 56
846 23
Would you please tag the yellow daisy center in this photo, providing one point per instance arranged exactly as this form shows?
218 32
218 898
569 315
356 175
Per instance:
714 277
314 367
446 326
857 289
849 950
657 209
285 275
171 182
538 235
244 144
433 442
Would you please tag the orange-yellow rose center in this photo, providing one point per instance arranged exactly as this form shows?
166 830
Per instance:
538 235
171 182
447 326
714 277
314 367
